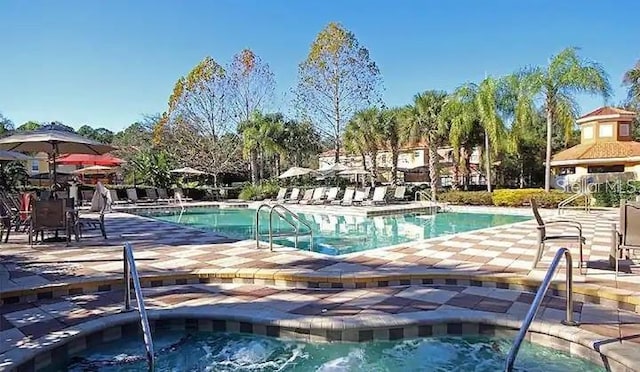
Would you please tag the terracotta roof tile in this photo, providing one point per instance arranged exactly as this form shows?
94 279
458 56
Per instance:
606 110
599 150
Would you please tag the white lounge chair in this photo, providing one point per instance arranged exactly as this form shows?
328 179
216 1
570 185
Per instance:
316 197
332 194
379 196
399 194
281 193
306 197
347 198
293 198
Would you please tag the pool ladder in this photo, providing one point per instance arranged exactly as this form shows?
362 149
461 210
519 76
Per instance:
131 272
535 306
275 208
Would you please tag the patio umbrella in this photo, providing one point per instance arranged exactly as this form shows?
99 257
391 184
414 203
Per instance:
53 140
354 171
187 170
106 160
297 171
95 169
12 156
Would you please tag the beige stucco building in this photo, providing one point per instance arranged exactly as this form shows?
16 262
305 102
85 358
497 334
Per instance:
606 148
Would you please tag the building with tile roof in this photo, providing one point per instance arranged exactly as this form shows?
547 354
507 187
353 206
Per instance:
606 146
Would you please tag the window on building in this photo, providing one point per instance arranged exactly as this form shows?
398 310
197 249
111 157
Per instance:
606 130
416 154
624 130
383 158
587 132
35 166
606 169
567 170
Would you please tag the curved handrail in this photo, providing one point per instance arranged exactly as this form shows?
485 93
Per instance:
131 272
533 310
296 230
295 216
423 194
263 205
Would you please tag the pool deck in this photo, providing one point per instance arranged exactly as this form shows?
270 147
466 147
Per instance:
38 282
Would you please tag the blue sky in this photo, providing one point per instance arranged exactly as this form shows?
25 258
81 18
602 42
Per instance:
105 63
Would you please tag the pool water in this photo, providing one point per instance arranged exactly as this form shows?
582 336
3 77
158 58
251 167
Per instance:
227 352
336 235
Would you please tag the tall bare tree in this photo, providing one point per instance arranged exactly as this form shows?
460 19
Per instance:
250 84
337 78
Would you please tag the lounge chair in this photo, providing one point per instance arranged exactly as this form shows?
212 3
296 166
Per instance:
152 196
347 198
627 237
332 194
359 197
379 196
281 194
163 195
544 238
49 215
399 194
306 198
295 195
114 197
316 197
132 195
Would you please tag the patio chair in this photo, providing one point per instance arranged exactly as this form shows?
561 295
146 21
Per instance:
87 195
152 195
347 198
543 238
316 197
163 195
293 198
132 195
332 194
115 199
359 196
308 194
379 196
63 194
399 194
281 194
179 192
9 216
91 222
627 237
49 215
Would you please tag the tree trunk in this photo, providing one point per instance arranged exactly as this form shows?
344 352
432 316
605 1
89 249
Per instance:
263 164
487 160
374 168
455 185
276 163
467 169
547 164
433 170
215 180
395 153
254 166
522 173
337 148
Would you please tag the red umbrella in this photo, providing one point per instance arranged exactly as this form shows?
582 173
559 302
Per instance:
106 160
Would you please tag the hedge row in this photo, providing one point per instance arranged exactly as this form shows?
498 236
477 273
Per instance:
505 198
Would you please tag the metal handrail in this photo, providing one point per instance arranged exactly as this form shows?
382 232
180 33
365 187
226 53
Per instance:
423 194
264 205
567 201
533 310
131 272
295 217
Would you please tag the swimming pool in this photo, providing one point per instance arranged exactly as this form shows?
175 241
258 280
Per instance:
226 352
337 235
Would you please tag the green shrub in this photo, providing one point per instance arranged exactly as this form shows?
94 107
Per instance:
250 192
521 197
267 189
610 195
466 197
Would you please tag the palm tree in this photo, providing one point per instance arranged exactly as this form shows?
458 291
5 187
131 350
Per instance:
474 105
259 139
566 75
391 131
518 91
425 122
632 80
364 135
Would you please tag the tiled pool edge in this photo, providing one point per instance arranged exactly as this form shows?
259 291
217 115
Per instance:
575 341
584 292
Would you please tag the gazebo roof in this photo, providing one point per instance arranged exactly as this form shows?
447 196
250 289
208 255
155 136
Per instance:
605 112
593 152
